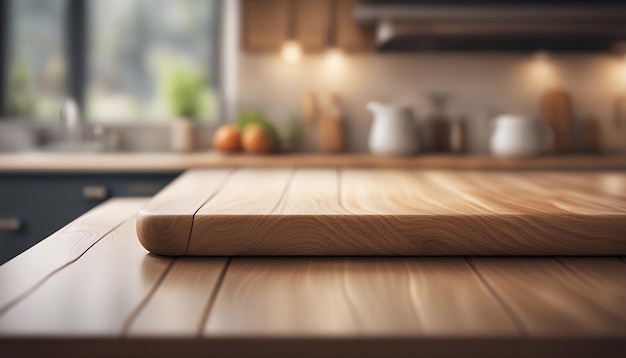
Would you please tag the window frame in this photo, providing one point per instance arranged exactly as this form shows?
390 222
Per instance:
77 50
4 56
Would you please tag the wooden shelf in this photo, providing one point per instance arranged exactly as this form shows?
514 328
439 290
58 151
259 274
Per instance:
125 162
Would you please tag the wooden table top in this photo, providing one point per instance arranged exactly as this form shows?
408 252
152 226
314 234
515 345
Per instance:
137 162
344 212
92 290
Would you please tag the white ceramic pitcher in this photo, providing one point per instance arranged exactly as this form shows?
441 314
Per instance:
394 130
519 136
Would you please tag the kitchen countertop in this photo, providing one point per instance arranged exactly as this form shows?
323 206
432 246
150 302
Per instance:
137 162
92 290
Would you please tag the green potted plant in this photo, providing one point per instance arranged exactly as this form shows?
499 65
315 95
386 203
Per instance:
21 101
185 87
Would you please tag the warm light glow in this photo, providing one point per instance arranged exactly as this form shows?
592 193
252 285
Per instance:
623 72
291 52
543 72
542 56
334 58
617 73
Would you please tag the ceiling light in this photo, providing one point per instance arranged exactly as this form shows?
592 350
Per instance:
334 58
291 51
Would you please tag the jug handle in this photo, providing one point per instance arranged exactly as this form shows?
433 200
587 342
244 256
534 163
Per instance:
372 106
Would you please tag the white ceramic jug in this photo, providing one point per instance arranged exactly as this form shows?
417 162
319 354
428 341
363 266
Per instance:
394 131
519 136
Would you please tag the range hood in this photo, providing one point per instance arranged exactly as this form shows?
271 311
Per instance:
493 26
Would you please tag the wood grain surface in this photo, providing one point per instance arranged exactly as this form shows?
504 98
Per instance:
116 300
167 219
370 297
61 248
391 212
552 300
95 295
179 306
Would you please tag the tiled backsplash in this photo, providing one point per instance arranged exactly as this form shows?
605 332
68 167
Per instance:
479 85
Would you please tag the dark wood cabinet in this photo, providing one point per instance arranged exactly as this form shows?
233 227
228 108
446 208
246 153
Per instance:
267 24
350 36
311 23
34 205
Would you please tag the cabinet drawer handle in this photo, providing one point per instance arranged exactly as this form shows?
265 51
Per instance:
144 189
10 224
95 192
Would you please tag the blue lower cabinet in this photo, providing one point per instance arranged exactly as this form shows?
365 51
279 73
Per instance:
35 205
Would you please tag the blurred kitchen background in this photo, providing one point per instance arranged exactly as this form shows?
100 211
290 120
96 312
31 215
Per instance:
133 66
116 98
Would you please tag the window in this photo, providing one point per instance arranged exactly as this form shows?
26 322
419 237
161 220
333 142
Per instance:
35 66
136 47
136 53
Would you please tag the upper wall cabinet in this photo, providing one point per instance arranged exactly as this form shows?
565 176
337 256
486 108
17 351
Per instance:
311 23
351 36
316 24
265 24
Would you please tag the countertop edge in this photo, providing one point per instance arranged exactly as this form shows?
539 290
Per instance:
167 162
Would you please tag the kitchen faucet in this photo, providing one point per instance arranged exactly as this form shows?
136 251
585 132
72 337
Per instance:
71 123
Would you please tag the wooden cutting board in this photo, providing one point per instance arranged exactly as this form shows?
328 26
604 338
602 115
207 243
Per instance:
387 212
556 112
